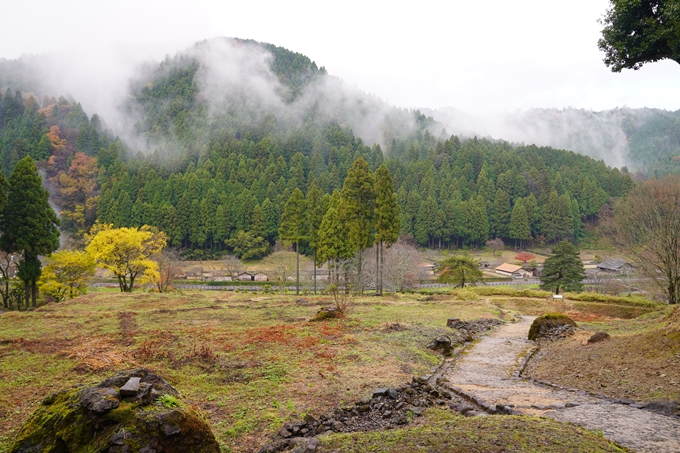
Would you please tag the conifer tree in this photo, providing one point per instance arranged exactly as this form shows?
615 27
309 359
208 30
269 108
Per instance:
556 221
357 209
292 227
519 223
270 223
563 269
334 244
315 212
387 218
28 223
501 214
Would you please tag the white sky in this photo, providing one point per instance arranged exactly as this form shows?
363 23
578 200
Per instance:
479 57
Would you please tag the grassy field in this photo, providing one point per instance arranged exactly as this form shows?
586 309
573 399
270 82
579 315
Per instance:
253 362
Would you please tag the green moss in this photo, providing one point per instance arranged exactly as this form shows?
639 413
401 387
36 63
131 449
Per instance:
445 432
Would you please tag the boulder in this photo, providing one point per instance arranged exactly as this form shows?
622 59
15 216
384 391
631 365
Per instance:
326 313
442 344
598 336
133 411
551 326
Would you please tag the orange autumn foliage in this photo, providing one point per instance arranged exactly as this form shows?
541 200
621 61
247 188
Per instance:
525 256
54 136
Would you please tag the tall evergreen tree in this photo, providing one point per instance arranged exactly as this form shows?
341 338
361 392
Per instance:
357 209
29 224
315 212
334 244
556 221
501 214
563 269
387 218
270 221
519 223
292 227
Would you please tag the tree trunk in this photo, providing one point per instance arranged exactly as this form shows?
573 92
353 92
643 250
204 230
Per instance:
27 295
297 268
360 277
382 266
377 268
34 293
315 272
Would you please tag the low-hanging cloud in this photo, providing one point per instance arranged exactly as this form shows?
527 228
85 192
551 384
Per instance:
601 135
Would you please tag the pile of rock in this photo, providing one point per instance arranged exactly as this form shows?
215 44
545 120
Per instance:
469 330
134 411
387 408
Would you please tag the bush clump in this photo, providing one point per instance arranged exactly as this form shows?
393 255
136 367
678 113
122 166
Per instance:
547 323
510 292
631 301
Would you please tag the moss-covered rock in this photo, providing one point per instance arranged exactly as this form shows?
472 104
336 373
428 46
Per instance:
134 411
551 326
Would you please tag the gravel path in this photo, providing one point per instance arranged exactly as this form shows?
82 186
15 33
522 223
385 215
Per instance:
486 371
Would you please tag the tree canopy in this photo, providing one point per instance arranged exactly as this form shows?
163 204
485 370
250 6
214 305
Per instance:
28 223
67 274
459 270
127 252
637 32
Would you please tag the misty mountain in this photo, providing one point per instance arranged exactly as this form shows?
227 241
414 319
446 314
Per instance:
226 87
646 140
212 142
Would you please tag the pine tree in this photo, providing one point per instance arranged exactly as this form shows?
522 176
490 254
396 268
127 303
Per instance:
556 220
292 227
563 269
519 223
357 209
315 212
459 270
334 244
387 218
28 223
531 206
501 214
183 217
270 221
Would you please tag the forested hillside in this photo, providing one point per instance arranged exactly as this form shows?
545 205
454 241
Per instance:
646 140
230 129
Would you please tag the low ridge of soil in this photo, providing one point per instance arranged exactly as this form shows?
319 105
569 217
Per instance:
642 367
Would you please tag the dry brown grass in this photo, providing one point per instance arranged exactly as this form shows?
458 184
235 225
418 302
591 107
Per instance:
252 362
641 361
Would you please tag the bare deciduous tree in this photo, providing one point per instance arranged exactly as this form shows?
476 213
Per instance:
402 267
495 245
8 262
647 226
168 268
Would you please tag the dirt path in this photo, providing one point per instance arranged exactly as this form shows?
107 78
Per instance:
486 371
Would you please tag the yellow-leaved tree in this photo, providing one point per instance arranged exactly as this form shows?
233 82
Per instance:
66 273
127 252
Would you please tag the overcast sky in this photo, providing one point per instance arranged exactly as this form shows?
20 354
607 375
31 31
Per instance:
479 57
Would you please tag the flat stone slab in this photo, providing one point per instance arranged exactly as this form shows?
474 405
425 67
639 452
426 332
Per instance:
131 387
